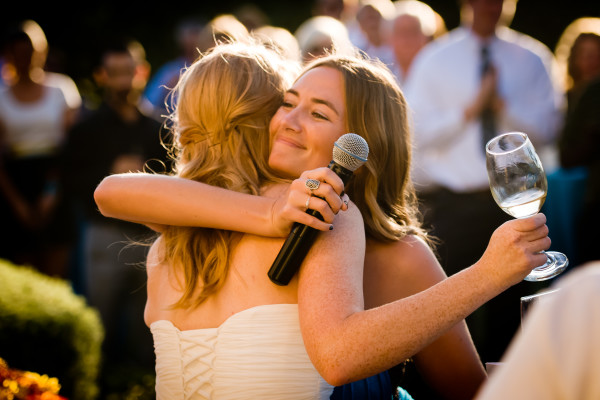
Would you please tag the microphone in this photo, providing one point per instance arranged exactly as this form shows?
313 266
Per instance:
350 151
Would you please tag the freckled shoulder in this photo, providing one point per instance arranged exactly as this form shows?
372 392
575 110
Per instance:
399 269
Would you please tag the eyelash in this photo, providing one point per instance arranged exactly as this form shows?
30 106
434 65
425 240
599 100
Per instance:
286 104
320 116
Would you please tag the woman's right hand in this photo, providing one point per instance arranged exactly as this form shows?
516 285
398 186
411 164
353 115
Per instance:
515 249
328 199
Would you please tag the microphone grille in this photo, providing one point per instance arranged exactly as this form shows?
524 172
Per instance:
350 151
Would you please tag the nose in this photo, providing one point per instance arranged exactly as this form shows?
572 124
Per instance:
291 121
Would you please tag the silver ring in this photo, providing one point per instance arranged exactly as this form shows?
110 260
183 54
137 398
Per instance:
312 184
307 202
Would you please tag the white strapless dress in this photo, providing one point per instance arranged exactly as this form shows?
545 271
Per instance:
257 353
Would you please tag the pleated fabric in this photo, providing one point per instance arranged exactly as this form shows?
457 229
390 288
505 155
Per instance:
257 353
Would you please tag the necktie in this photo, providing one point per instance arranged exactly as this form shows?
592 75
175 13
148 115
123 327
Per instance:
488 123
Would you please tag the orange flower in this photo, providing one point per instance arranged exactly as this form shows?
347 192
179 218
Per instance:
26 385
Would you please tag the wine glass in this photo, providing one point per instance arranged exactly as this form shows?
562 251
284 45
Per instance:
518 184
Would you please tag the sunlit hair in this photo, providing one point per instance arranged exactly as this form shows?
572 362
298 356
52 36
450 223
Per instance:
376 110
225 101
318 35
581 29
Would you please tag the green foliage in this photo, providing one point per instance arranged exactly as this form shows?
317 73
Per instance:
46 328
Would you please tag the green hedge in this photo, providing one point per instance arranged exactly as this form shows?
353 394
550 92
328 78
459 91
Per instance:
46 328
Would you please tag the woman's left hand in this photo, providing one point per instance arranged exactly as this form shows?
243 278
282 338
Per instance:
328 198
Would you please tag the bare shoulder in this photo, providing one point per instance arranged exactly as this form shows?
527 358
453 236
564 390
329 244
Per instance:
399 269
347 238
155 254
350 219
409 252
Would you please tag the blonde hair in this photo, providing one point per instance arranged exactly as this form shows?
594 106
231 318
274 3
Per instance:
225 102
376 109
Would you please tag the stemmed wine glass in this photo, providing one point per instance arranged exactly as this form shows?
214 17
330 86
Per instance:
518 184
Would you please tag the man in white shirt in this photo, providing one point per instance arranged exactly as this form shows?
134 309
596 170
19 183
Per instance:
454 93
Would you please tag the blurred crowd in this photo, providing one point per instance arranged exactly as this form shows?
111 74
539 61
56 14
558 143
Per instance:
58 140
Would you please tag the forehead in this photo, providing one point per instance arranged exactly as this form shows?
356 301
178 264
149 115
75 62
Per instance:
118 59
407 21
326 81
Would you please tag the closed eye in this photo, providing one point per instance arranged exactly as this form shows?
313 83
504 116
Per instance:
320 116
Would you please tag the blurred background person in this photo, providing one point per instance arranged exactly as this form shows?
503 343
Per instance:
42 72
317 35
342 10
281 40
371 17
115 137
194 37
34 118
477 81
330 8
188 38
222 28
251 16
578 52
578 56
413 25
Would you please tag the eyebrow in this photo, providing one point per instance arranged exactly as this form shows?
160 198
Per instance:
317 101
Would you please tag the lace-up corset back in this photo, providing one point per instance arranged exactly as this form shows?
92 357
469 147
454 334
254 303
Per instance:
255 354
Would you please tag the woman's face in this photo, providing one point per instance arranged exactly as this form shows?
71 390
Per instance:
587 59
311 118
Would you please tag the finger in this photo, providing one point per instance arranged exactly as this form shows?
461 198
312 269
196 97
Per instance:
529 224
326 175
323 190
345 200
322 207
535 234
316 204
538 259
314 222
539 245
328 193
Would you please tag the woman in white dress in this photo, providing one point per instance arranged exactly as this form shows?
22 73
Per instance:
344 342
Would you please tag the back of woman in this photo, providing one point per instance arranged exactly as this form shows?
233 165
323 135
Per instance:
221 329
237 340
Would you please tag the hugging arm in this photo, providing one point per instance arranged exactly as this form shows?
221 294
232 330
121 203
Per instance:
158 200
450 365
347 343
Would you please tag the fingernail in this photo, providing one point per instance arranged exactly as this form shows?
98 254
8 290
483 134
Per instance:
330 227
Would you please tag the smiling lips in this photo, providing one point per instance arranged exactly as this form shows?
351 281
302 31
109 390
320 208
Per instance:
288 141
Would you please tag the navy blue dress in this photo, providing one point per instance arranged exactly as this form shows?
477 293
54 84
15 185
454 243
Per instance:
373 388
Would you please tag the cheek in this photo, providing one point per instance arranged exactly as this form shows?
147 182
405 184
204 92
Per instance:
273 124
324 151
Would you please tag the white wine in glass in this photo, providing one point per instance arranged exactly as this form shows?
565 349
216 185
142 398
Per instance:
519 186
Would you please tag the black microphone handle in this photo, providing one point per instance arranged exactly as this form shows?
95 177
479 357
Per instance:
299 241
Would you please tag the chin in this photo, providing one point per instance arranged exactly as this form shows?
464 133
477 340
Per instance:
284 167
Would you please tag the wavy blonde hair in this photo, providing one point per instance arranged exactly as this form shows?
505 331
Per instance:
225 102
376 110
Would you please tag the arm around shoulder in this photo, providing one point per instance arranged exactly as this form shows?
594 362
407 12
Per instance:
169 200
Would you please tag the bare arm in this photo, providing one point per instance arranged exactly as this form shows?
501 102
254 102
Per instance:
450 364
156 200
347 343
